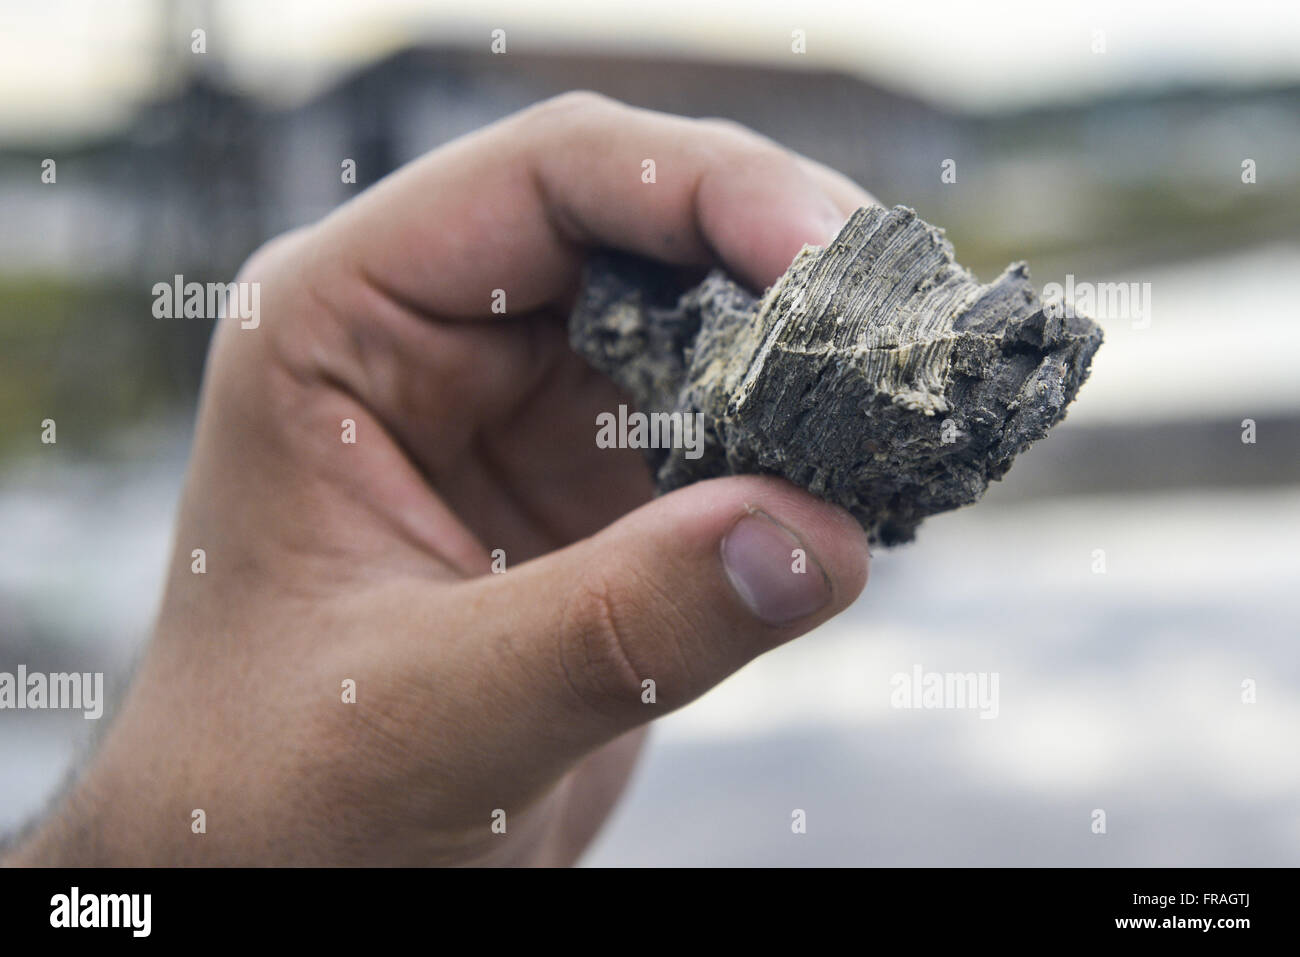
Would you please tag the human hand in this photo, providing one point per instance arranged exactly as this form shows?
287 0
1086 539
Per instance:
370 562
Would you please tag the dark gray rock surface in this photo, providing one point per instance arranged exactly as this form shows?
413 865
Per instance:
877 372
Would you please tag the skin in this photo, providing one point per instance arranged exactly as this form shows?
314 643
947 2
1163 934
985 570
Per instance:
372 561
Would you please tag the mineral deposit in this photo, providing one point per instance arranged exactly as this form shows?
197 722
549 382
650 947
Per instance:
877 372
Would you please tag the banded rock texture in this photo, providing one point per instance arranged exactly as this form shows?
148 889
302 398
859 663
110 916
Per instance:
877 372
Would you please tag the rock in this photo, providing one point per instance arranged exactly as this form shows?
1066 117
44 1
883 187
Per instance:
877 372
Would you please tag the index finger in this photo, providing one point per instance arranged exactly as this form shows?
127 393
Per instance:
516 205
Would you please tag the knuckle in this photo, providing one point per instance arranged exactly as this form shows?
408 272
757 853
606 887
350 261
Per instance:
742 137
268 258
747 145
729 127
597 652
574 101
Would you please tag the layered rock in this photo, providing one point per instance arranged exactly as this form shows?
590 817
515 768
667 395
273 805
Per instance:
877 372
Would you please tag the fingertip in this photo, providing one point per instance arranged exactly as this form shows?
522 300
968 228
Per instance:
832 536
777 542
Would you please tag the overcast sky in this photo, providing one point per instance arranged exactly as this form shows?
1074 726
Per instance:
74 65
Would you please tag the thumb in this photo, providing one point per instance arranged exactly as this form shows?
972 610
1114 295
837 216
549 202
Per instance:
681 592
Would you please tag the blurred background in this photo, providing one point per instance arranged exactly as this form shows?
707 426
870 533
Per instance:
1106 140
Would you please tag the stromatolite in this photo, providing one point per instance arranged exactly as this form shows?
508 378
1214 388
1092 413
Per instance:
877 372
